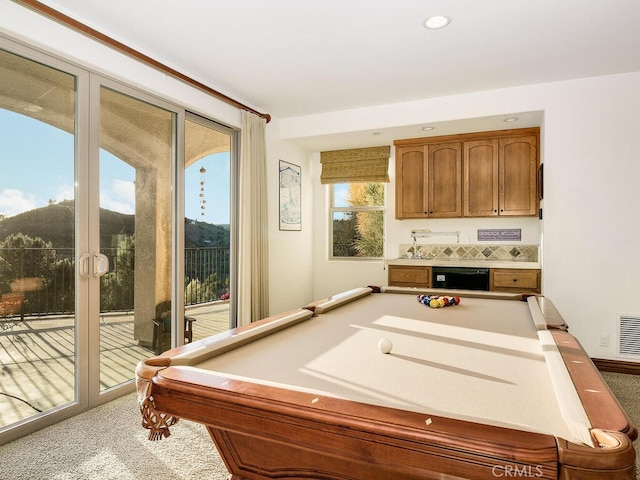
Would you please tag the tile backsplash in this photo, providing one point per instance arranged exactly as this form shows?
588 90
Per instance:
510 253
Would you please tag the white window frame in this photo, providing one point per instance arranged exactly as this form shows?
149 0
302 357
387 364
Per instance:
332 209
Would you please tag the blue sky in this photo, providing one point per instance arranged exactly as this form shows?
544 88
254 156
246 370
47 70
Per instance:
36 166
217 186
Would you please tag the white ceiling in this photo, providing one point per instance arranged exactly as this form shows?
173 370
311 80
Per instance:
297 57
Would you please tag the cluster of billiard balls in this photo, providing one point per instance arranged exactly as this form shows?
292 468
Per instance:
438 301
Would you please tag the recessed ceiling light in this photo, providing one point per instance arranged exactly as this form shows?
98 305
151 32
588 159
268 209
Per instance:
437 21
511 119
427 129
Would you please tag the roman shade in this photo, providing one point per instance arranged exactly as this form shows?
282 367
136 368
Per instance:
355 165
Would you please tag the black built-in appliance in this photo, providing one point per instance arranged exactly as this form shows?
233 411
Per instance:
463 278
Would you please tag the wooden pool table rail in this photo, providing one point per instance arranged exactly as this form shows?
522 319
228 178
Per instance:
267 432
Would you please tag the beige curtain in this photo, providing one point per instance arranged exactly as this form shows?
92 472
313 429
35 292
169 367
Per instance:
355 165
253 265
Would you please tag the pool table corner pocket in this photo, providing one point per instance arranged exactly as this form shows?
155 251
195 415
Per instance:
156 422
616 458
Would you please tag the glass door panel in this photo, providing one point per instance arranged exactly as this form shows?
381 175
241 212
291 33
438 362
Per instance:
136 154
38 327
207 203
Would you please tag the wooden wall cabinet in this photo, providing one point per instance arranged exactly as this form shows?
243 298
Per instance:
411 181
514 280
429 181
481 178
518 172
445 180
409 276
472 175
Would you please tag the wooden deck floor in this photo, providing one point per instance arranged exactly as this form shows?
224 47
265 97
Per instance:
37 364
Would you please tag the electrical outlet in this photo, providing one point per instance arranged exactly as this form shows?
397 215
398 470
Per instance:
604 340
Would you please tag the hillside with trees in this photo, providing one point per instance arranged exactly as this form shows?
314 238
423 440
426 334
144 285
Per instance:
55 225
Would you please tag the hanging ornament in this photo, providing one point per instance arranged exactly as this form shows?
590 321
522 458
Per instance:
203 202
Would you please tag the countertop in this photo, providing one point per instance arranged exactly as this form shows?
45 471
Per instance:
474 263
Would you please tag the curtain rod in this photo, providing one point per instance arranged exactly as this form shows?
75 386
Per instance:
121 47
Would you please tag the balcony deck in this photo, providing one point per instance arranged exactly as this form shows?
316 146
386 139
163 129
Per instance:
37 357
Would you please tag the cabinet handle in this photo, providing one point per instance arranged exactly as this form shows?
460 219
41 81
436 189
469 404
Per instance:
515 280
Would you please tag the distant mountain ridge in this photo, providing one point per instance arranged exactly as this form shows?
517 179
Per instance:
55 223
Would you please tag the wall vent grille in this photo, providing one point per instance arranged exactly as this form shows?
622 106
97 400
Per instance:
629 335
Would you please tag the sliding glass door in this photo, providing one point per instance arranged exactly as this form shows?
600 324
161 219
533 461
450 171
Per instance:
208 177
39 239
86 237
137 151
115 235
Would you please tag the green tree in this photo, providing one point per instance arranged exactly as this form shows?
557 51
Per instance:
61 298
207 291
27 257
192 292
23 257
117 286
344 232
211 286
369 241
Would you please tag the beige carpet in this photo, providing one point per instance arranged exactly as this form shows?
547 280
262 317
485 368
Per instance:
108 443
627 390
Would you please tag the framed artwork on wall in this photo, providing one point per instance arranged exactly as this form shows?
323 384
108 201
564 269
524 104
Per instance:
290 196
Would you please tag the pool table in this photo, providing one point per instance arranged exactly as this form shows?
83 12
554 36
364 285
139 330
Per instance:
493 387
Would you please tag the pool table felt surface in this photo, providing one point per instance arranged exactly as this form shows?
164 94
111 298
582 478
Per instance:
478 361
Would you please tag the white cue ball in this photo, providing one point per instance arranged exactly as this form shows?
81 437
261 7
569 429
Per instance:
385 345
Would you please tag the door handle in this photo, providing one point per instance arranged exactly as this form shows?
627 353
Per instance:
83 265
100 264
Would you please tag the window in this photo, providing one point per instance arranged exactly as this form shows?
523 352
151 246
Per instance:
357 220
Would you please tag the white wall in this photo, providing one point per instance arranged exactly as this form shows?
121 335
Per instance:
591 226
290 260
592 222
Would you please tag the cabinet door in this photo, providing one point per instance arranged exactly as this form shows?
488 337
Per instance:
411 182
515 280
445 180
480 191
409 276
518 160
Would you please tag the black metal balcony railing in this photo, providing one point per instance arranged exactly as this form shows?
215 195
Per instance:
206 274
206 279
